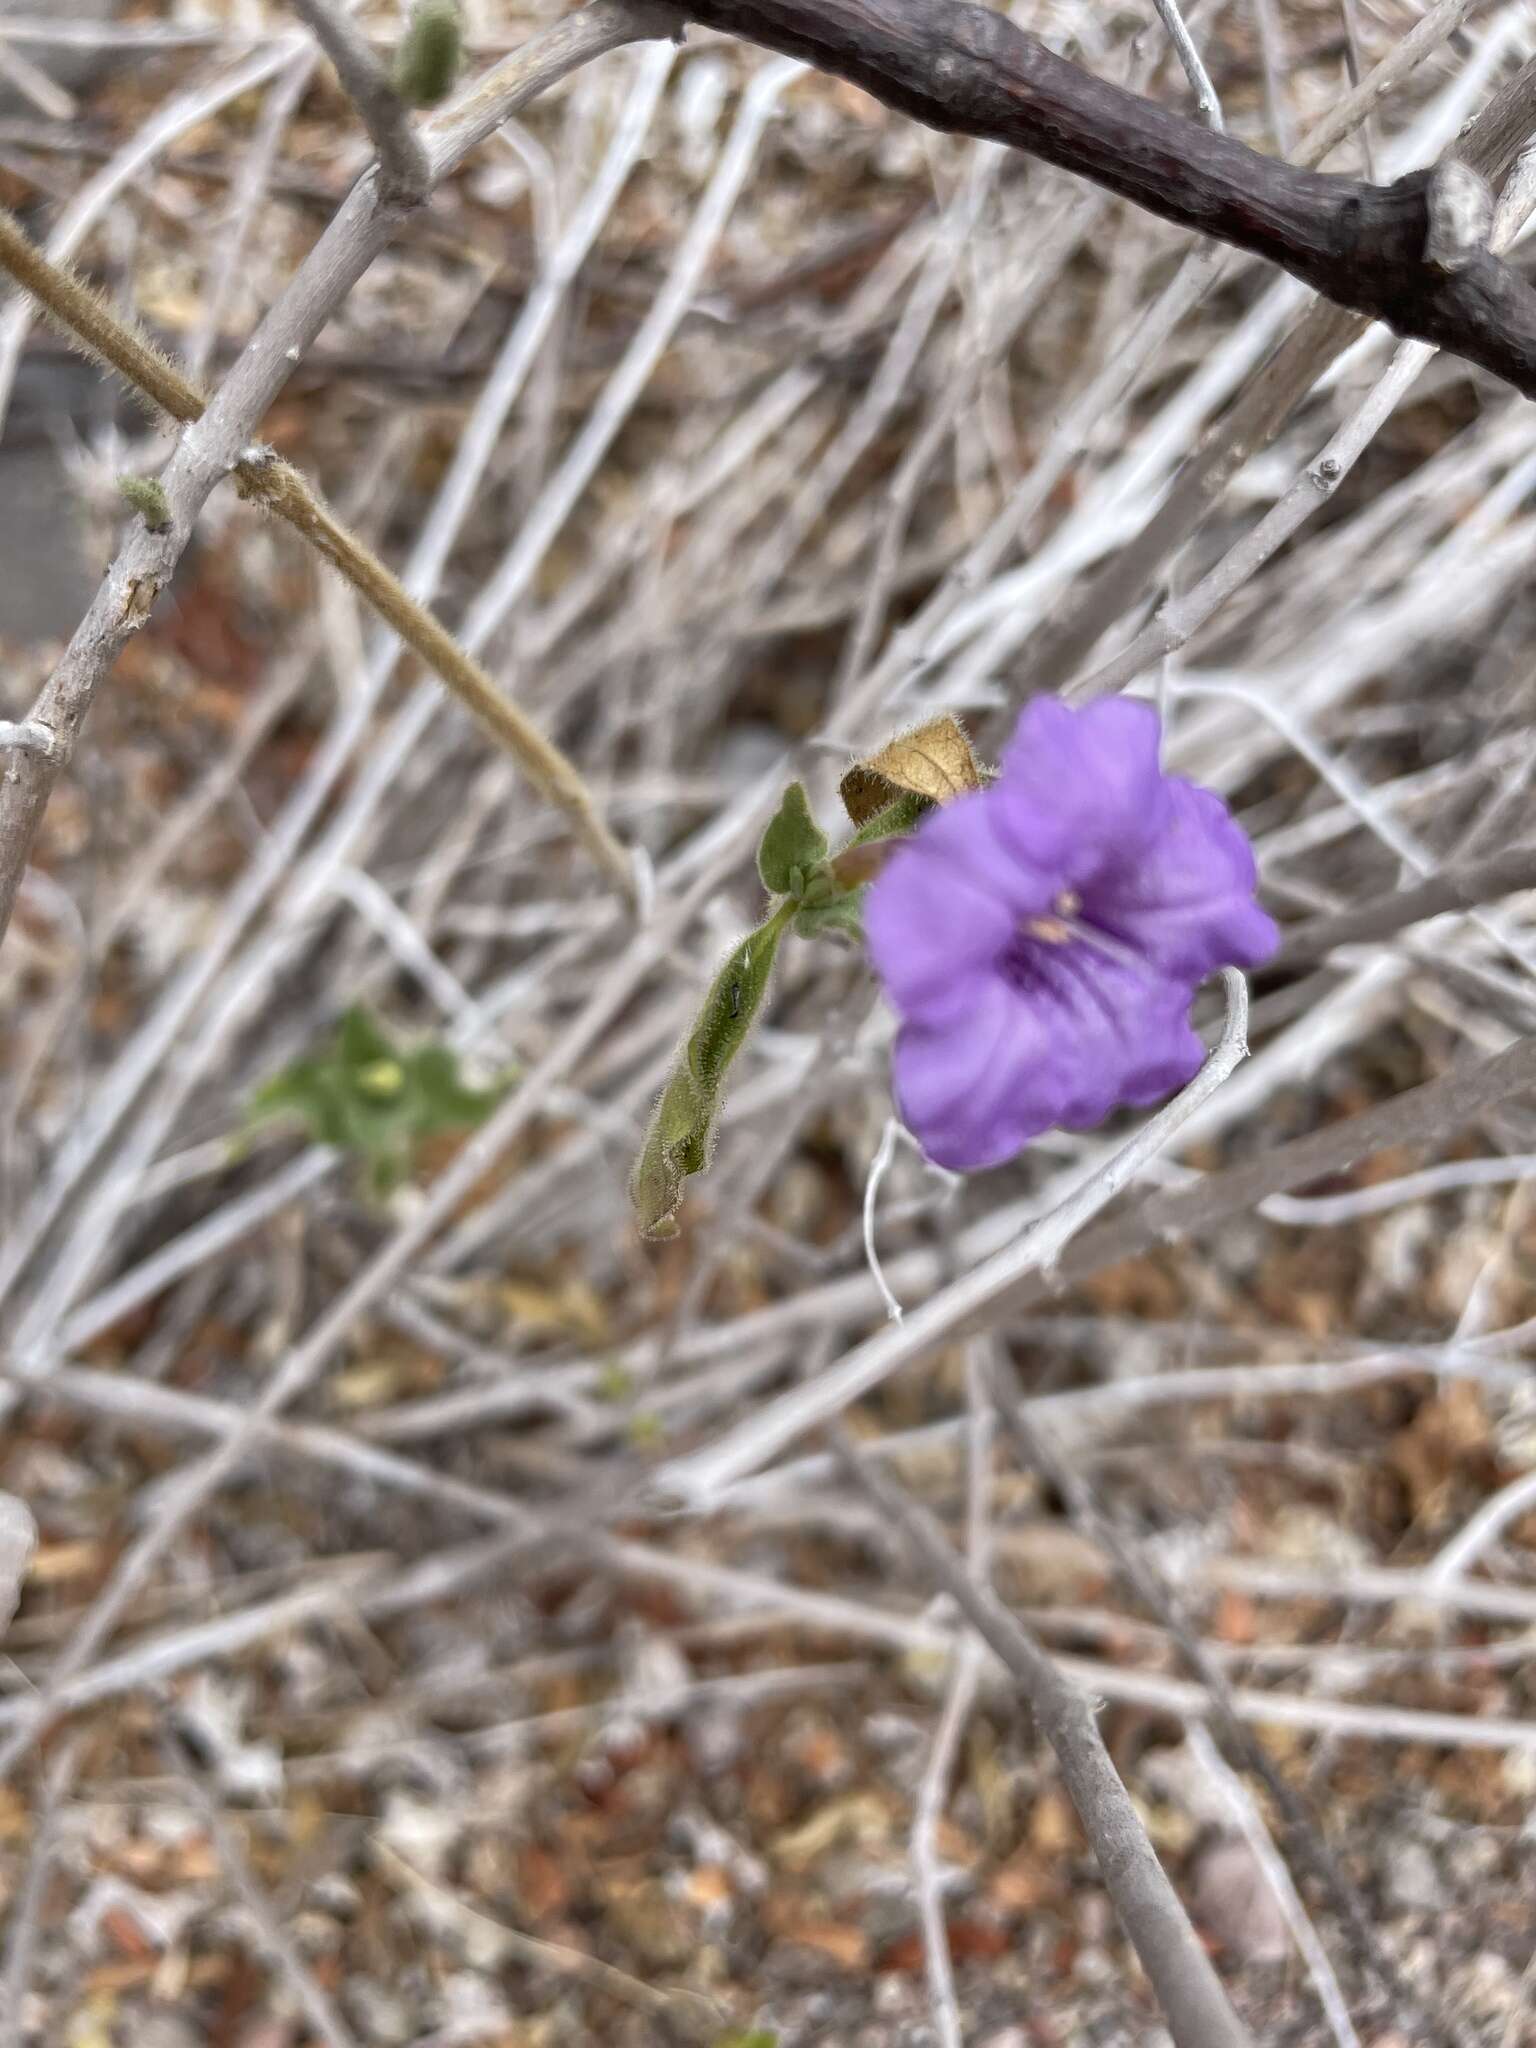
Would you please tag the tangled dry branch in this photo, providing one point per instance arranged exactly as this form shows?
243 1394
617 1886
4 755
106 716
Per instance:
1407 253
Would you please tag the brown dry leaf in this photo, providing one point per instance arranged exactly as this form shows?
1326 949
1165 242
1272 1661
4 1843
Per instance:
92 2027
935 761
125 1933
861 1817
656 1926
955 1845
16 1816
1022 1884
372 1383
542 1889
569 1306
1053 1826
709 1886
1235 1619
53 1563
989 1780
1445 1436
848 1946
820 1751
308 1818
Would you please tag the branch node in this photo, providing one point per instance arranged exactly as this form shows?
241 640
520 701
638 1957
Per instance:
404 171
1460 206
30 736
138 601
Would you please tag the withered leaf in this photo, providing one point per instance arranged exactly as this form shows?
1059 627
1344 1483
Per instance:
934 762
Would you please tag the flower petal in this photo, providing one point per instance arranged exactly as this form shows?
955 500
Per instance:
1016 1019
945 905
975 1088
1128 1031
1088 1037
1186 901
1080 788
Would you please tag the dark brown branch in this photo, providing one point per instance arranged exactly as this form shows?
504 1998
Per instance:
965 69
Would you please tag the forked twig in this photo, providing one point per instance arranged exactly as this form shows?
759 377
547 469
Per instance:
403 168
218 440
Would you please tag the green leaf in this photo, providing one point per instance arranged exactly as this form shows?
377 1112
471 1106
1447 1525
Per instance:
681 1133
614 1383
793 840
677 1144
756 2037
443 1101
360 1041
842 913
368 1098
734 999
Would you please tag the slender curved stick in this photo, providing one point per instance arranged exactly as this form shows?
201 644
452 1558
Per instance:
699 1482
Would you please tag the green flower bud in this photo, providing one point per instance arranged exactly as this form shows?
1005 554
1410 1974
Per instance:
147 497
793 845
431 50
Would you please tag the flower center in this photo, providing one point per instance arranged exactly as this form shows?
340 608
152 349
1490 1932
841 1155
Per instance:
1063 940
1061 929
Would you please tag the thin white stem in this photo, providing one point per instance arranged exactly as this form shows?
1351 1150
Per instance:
1250 1824
959 1698
520 564
700 1482
1457 1557
1194 67
879 1167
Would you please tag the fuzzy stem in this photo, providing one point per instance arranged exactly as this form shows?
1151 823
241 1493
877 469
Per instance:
86 319
282 489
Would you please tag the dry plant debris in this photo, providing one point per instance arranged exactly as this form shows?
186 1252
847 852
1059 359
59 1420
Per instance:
359 1690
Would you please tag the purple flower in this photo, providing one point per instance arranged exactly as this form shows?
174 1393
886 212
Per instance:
1042 939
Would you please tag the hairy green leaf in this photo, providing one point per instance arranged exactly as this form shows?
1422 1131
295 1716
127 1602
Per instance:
843 912
734 999
793 841
677 1144
147 497
681 1134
